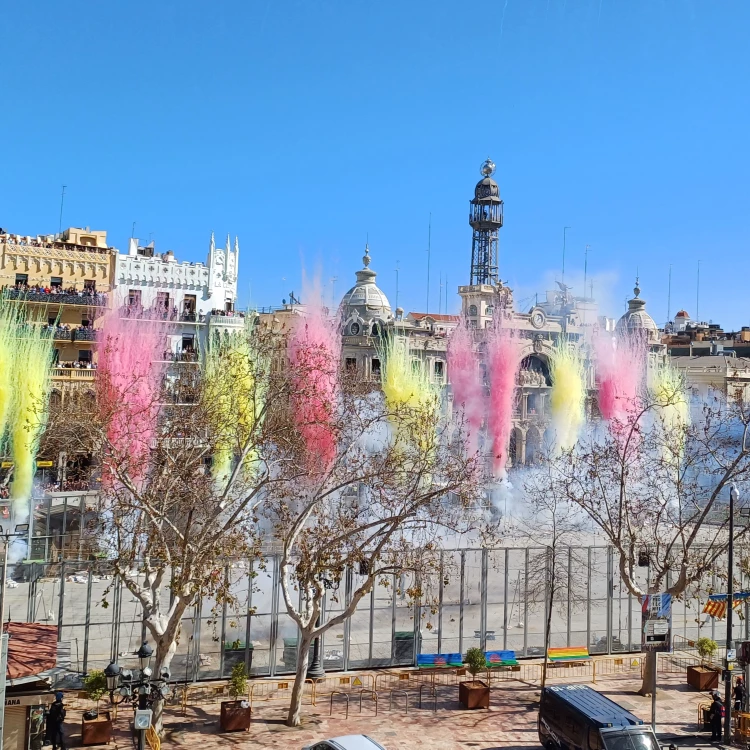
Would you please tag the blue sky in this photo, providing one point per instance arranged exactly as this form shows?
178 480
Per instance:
303 126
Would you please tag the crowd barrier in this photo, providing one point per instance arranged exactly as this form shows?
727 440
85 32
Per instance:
391 683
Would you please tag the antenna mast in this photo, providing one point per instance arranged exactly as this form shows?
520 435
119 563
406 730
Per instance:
62 202
669 295
429 244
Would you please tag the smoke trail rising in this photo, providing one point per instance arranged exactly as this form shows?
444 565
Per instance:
466 381
129 378
669 393
568 394
31 361
406 386
503 363
8 347
315 356
621 363
235 396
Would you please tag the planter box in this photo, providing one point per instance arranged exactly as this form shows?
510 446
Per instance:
234 718
474 694
703 678
97 731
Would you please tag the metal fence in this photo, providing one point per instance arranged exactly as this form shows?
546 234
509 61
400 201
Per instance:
493 599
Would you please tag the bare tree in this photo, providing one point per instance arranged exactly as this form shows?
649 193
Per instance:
551 521
655 486
172 520
400 480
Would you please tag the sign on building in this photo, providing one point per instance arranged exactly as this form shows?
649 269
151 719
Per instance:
656 622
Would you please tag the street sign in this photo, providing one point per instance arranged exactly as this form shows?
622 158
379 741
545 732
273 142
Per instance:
656 620
44 464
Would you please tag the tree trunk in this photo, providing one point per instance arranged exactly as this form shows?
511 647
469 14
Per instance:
649 672
166 647
548 625
294 717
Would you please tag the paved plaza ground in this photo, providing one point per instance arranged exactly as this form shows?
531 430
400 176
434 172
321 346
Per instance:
509 723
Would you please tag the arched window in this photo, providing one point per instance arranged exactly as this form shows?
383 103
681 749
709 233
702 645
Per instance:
473 311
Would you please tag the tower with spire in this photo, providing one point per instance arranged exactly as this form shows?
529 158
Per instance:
485 219
222 273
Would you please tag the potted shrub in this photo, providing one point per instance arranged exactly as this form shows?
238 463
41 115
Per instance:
474 693
235 714
96 726
704 677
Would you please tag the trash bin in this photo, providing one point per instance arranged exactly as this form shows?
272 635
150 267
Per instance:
403 646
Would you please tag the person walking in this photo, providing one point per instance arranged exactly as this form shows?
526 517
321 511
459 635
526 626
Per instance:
55 719
715 714
739 694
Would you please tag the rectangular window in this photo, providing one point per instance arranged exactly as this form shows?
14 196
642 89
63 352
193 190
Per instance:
188 343
376 366
84 355
438 368
189 303
229 306
162 301
416 366
56 282
85 322
22 278
134 297
89 285
51 321
351 364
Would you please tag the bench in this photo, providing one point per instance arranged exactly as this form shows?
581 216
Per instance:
439 661
500 659
573 655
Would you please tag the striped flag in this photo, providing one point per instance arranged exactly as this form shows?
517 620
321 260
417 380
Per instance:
716 606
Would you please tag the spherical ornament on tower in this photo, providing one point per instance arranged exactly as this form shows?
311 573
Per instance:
488 168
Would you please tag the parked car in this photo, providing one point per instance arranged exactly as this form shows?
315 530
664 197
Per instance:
347 742
578 716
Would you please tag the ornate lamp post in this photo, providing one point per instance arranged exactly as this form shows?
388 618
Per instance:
144 687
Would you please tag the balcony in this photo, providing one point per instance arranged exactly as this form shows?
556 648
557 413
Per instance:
236 320
88 299
74 374
84 334
169 316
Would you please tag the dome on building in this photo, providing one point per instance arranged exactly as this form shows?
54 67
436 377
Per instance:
365 303
682 314
636 319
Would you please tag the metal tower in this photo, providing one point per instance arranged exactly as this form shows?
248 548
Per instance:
486 218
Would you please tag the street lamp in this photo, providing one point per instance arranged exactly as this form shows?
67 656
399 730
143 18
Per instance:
734 497
144 687
144 654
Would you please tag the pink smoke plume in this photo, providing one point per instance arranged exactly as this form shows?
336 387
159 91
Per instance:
130 374
621 362
503 362
315 354
466 381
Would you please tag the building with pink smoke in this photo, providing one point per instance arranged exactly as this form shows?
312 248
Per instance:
487 304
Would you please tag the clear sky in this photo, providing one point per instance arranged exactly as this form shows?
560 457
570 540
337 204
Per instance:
303 126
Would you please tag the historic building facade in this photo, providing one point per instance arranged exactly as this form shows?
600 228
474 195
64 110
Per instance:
195 299
366 314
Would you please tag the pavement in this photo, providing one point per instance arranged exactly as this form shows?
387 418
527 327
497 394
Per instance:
510 721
